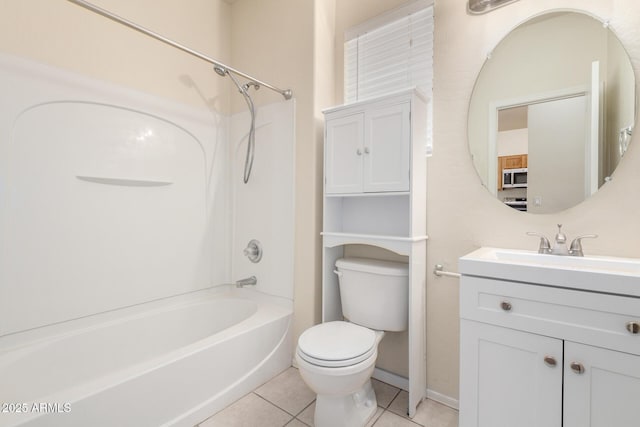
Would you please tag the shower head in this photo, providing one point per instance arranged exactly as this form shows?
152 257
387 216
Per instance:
221 70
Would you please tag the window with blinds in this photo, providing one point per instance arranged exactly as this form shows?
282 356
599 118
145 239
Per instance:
391 57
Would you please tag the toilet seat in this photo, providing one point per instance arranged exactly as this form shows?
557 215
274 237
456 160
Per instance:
337 344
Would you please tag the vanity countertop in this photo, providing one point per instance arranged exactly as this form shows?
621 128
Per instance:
611 275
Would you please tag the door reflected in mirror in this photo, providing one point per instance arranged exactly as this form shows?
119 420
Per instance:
552 112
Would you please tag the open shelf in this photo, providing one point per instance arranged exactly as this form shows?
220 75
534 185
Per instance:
368 215
397 244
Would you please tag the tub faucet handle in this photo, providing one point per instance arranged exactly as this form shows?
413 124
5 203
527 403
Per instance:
253 251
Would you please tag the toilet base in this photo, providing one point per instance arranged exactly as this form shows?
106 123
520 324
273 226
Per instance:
352 410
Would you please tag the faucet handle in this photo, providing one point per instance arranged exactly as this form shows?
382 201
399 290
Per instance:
545 246
575 248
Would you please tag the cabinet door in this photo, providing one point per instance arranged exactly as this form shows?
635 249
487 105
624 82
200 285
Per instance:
602 387
387 148
343 154
508 377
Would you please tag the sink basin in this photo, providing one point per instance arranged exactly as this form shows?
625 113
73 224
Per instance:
593 273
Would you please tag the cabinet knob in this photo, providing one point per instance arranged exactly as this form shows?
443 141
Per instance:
633 327
550 361
577 367
359 152
505 305
366 150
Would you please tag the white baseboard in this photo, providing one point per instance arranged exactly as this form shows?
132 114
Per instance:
403 383
444 399
391 378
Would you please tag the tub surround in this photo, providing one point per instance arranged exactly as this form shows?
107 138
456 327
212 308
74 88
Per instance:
118 205
97 172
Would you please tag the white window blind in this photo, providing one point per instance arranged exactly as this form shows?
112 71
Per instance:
395 56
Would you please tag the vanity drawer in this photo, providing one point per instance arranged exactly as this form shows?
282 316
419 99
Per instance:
605 320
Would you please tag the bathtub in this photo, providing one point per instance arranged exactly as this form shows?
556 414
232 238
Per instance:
172 362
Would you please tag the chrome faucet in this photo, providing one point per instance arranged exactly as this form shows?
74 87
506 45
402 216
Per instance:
249 281
560 243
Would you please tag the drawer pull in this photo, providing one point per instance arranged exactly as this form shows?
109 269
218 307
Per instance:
505 305
633 327
577 367
550 361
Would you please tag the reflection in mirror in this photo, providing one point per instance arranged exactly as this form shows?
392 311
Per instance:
552 112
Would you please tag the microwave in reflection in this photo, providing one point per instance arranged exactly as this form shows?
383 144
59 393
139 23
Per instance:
514 178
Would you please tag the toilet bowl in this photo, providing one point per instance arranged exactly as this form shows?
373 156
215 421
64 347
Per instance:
336 359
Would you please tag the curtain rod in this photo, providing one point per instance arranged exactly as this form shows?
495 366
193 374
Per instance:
286 93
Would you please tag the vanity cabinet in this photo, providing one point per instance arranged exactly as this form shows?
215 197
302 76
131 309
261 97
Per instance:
537 355
367 148
375 194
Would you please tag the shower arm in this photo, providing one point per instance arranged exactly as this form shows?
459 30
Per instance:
286 93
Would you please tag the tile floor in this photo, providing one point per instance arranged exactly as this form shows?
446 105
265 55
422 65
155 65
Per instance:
287 401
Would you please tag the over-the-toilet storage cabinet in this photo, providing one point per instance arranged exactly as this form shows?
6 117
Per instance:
537 355
375 194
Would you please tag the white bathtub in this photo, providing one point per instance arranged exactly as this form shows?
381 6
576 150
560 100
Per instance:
170 362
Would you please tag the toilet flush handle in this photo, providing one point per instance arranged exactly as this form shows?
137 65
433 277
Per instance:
338 273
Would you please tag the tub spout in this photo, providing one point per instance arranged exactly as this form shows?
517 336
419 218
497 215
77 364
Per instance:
249 281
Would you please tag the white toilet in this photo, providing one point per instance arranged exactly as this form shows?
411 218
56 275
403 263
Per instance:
336 359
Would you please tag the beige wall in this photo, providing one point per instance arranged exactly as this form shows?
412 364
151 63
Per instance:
300 45
462 215
65 35
275 40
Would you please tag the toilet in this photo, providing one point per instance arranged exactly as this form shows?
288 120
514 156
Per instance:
336 359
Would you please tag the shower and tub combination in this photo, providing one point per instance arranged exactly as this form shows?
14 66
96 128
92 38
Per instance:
125 229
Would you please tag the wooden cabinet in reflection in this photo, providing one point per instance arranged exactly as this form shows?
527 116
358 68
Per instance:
510 162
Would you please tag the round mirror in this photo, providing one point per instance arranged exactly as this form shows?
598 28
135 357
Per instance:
552 112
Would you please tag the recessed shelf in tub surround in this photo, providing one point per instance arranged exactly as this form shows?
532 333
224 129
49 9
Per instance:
126 182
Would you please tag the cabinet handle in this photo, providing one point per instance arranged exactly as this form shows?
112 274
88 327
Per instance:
505 305
359 152
366 150
577 367
633 327
550 361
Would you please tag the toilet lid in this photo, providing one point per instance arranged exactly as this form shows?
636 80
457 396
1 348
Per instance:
336 344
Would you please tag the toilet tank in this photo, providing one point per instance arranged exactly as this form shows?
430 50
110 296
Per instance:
374 293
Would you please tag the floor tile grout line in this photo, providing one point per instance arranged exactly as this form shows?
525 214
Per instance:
301 422
391 412
394 398
273 404
305 408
